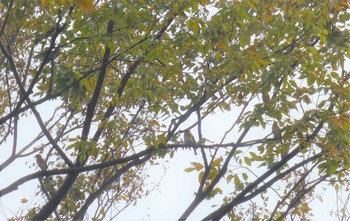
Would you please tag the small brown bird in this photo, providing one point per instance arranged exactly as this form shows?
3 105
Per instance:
189 139
41 162
276 131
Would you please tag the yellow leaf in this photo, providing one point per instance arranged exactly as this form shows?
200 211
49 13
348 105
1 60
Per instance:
197 166
332 150
216 162
45 2
220 45
24 200
336 121
154 122
229 178
85 5
180 76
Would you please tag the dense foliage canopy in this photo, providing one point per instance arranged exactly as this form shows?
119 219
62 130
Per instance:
112 85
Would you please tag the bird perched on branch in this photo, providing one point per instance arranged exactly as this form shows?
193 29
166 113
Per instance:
41 162
189 139
276 131
45 183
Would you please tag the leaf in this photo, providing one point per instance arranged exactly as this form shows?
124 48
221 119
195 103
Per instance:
229 178
197 166
154 122
214 192
220 45
292 105
212 174
332 150
224 106
306 99
322 103
82 157
245 176
216 162
85 5
336 121
238 184
200 176
313 51
236 180
336 187
189 169
253 154
247 161
311 80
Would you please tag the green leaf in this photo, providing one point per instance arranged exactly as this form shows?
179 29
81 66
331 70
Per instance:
247 161
189 169
245 176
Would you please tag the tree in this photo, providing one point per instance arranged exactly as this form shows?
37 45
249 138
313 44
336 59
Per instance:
124 77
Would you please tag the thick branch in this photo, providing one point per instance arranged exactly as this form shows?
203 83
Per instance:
107 183
50 206
222 211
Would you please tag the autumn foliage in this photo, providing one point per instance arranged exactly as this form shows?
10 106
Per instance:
103 91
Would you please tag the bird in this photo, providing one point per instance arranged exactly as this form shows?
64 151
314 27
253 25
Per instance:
47 181
189 139
41 162
276 131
